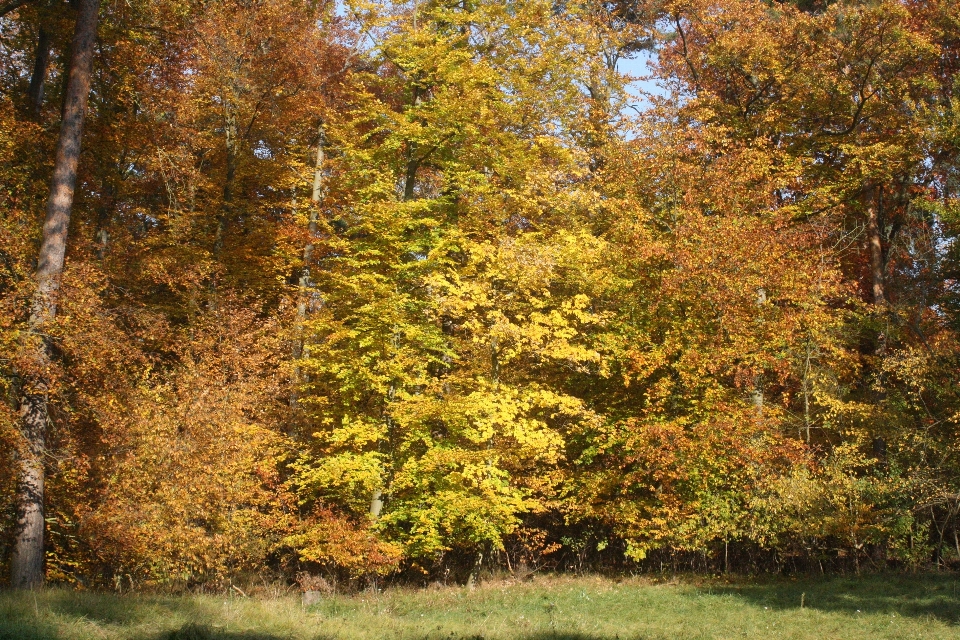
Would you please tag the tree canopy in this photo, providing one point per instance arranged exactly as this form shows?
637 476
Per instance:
427 288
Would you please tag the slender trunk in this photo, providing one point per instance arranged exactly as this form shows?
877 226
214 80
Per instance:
304 294
226 208
26 565
409 180
378 498
104 210
806 393
39 77
410 177
597 117
875 244
376 504
413 162
756 395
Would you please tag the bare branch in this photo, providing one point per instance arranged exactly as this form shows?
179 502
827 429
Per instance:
10 5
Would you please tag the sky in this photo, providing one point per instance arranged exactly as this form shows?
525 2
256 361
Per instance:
638 66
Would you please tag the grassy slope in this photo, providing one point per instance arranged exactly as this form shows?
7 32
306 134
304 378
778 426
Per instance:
875 607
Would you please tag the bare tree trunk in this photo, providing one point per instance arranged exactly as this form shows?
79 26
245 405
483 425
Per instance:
26 565
875 244
226 208
756 395
39 77
475 571
307 260
413 163
376 504
410 178
378 497
806 392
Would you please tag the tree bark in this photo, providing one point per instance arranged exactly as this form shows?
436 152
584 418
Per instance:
413 163
376 504
226 209
304 284
806 391
875 245
26 566
39 77
756 395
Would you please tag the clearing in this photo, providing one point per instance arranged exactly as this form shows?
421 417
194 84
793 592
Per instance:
547 608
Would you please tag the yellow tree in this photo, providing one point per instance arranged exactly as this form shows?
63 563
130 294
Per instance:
452 219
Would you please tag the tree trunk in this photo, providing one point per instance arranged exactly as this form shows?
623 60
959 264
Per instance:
304 283
413 163
39 77
26 565
756 395
376 505
226 208
806 392
104 211
475 571
875 244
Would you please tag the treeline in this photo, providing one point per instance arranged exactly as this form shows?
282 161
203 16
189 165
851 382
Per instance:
432 288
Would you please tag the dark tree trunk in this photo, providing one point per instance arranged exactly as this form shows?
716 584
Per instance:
226 208
39 77
410 177
26 565
875 245
413 163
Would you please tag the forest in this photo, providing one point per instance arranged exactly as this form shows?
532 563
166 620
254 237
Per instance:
422 290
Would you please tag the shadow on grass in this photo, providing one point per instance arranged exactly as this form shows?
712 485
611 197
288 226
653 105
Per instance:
925 597
29 631
570 636
203 632
96 607
20 616
19 631
928 595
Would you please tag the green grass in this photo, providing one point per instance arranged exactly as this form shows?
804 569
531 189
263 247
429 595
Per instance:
561 608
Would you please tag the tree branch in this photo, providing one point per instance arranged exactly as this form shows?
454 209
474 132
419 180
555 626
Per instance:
10 5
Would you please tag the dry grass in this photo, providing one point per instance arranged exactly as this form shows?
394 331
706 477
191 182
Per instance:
548 608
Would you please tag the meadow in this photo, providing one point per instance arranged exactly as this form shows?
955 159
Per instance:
923 605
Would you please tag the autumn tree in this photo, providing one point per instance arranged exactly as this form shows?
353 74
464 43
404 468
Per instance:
26 565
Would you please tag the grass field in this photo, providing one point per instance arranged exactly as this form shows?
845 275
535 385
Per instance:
548 608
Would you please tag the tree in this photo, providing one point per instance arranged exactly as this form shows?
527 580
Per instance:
27 563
